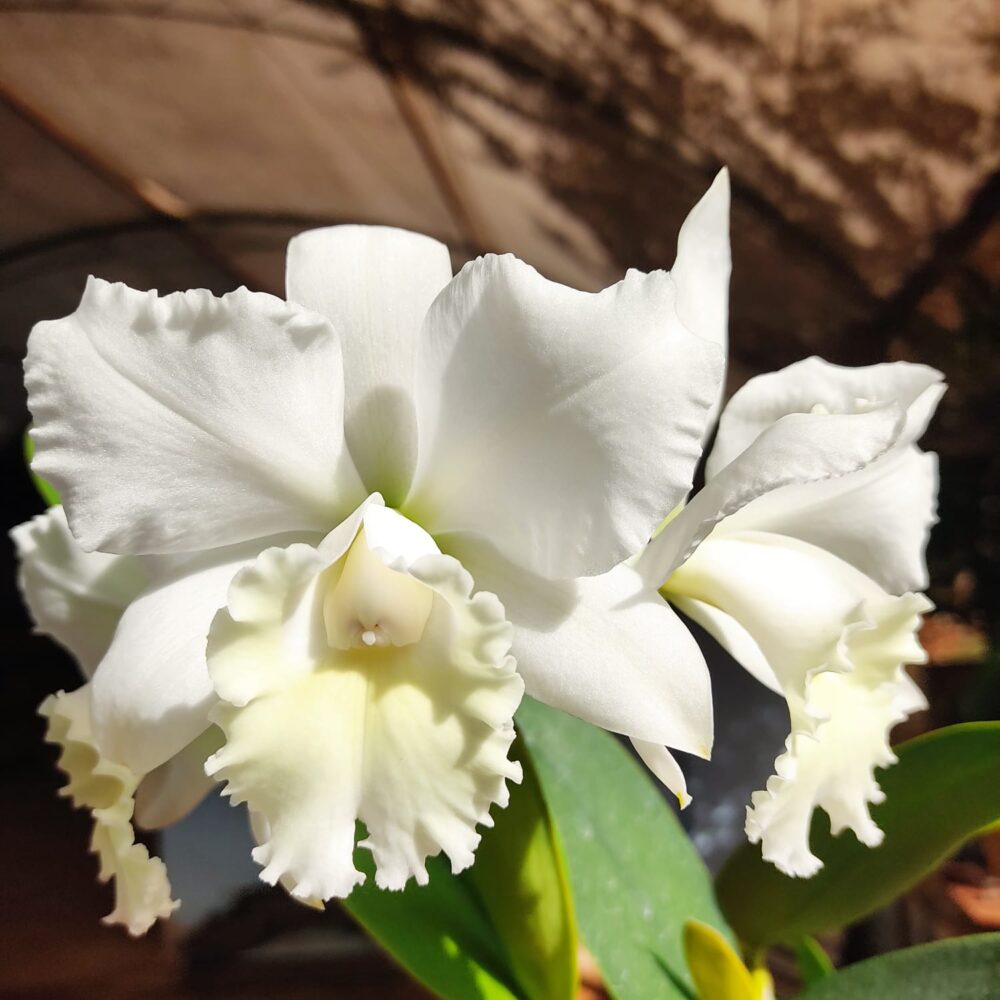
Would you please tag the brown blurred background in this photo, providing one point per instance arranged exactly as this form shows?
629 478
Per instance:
180 144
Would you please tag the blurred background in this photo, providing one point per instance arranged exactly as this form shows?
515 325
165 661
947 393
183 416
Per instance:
180 144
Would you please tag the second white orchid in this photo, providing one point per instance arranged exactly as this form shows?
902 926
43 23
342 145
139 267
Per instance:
804 556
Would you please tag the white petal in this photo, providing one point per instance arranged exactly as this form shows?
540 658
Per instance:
701 270
76 597
731 635
604 649
260 830
831 765
172 790
794 599
152 692
664 765
837 643
397 539
539 408
271 631
278 589
142 892
376 285
704 262
798 448
410 739
878 519
189 421
815 385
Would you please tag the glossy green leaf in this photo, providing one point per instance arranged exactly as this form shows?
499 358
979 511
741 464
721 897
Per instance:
718 972
813 962
944 790
438 932
965 968
520 877
634 875
502 929
45 488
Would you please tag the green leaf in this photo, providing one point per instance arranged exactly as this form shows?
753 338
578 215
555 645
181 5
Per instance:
45 488
634 875
966 968
503 929
438 932
521 879
813 962
944 790
718 972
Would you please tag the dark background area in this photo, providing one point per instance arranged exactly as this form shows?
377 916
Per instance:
176 145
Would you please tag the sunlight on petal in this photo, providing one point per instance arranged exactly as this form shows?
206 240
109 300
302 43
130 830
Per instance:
183 422
539 408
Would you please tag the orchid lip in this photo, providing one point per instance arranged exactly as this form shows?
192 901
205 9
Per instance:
363 680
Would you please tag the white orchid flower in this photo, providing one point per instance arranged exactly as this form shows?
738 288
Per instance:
78 598
803 556
350 476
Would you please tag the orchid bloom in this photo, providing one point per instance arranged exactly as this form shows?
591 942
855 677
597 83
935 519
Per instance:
325 495
804 557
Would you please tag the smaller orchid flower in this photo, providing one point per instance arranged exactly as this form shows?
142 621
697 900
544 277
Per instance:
329 493
78 598
803 555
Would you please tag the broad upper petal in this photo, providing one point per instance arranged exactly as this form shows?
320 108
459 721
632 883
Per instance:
189 421
815 385
76 597
878 518
605 649
376 285
540 410
797 448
